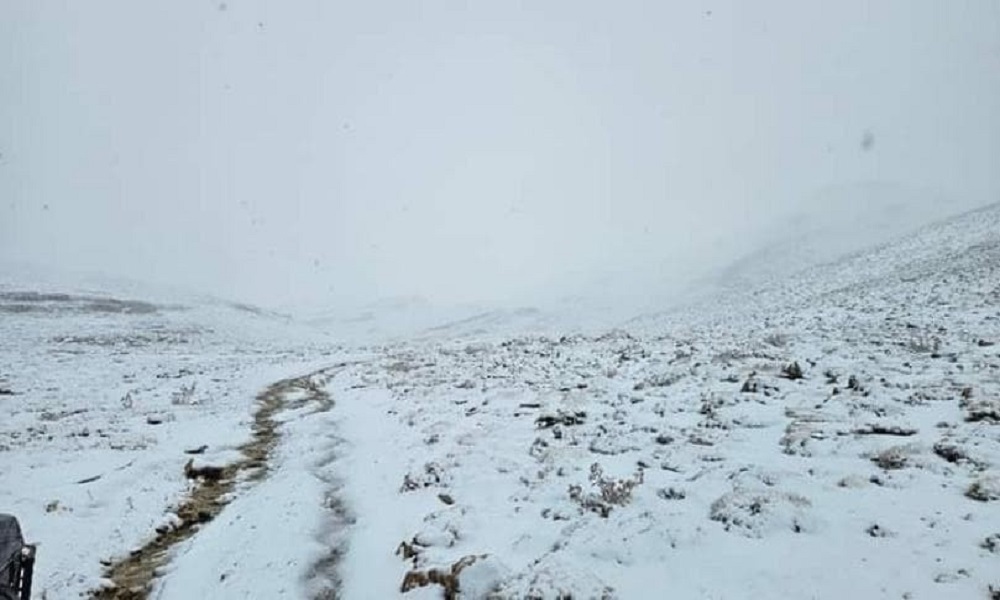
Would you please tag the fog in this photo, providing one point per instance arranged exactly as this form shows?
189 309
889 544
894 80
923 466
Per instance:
313 154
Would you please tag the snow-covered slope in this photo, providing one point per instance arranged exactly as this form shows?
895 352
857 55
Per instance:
101 395
831 434
837 434
835 221
389 319
415 318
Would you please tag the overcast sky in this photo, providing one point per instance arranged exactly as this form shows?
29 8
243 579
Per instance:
309 153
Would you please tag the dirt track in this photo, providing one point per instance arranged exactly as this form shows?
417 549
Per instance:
133 575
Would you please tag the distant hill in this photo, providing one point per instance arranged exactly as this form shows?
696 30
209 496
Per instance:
835 221
963 248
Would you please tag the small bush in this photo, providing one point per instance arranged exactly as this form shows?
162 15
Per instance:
671 494
792 371
610 492
950 452
985 489
433 475
447 578
891 458
982 410
924 344
184 396
778 340
756 512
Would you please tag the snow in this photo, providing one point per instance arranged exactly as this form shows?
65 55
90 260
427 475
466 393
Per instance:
103 405
680 455
263 544
632 465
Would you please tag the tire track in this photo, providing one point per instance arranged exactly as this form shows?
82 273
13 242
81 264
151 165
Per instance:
133 576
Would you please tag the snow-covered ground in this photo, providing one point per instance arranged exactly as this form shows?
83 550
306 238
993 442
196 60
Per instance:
683 457
101 397
831 434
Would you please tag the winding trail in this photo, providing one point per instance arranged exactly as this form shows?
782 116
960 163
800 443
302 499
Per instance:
132 577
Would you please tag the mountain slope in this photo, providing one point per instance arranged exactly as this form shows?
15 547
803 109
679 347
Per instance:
104 395
765 443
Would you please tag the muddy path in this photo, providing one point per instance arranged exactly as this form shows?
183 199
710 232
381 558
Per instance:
133 576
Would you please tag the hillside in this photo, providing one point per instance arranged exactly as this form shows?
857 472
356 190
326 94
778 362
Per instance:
107 390
833 433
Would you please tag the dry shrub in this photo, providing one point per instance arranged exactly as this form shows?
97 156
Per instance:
447 578
433 475
792 371
610 492
892 458
985 489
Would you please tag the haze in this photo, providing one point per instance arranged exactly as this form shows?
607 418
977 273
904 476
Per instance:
311 154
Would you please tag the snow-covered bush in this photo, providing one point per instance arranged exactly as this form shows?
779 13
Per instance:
184 396
985 489
754 512
610 492
896 457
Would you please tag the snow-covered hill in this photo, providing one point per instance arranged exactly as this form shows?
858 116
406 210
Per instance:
416 318
835 221
102 394
833 433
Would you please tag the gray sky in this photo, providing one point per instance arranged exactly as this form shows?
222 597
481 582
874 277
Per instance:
308 153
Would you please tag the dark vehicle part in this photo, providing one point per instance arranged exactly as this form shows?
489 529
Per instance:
17 561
